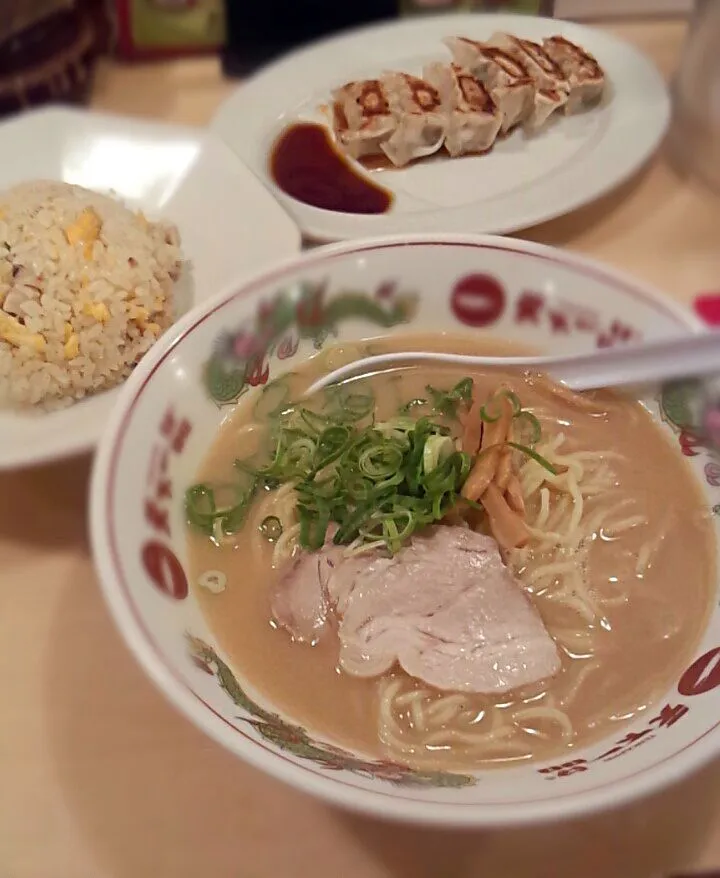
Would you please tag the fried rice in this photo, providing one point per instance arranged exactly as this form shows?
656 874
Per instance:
86 287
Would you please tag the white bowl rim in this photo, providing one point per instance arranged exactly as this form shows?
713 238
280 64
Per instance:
328 788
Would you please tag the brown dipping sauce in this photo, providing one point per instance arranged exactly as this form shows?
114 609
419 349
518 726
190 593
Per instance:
306 164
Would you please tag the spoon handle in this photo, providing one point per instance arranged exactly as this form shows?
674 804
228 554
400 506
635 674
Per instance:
654 362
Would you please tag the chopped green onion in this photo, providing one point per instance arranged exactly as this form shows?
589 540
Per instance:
360 404
464 390
200 507
447 402
380 460
491 412
416 403
436 449
233 519
332 442
538 458
313 527
202 510
392 527
271 528
486 416
533 429
347 406
513 399
376 483
274 399
400 425
316 422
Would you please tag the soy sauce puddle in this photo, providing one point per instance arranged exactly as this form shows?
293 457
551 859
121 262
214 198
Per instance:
306 164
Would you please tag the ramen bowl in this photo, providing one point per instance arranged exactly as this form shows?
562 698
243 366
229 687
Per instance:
184 390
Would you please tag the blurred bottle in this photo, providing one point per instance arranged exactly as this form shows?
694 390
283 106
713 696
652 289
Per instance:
419 7
167 28
694 138
257 32
532 7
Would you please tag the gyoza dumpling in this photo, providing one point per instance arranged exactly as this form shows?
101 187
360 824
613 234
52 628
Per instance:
552 87
545 103
469 54
362 119
540 66
420 122
584 75
473 118
509 83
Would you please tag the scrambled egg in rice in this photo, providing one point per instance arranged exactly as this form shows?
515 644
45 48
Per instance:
86 287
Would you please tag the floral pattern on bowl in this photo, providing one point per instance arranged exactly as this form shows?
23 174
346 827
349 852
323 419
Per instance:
297 741
241 357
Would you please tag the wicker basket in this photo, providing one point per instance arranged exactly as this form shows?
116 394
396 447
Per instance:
48 50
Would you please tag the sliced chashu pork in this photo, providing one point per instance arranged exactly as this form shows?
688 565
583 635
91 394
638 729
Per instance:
301 601
445 608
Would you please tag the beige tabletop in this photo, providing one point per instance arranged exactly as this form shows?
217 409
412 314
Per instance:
100 778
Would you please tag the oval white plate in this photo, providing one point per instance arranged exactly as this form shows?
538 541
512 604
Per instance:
520 183
229 225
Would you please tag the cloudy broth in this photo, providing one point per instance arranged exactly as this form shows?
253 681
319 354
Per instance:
652 582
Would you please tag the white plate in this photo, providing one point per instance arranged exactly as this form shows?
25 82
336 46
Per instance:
228 223
520 183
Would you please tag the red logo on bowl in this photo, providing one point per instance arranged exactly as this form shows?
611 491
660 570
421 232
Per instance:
563 318
564 769
164 569
157 558
703 675
478 300
669 714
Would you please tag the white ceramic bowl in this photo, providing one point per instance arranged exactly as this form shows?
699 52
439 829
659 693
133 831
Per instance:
166 420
